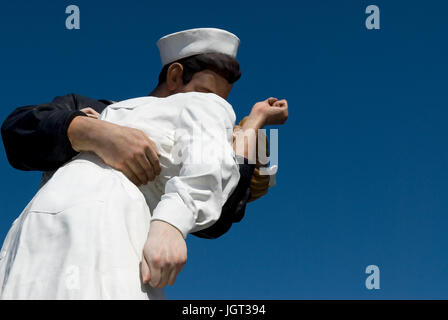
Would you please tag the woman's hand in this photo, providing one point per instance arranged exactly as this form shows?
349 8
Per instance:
268 112
126 149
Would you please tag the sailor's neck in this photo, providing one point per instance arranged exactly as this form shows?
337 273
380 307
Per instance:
159 92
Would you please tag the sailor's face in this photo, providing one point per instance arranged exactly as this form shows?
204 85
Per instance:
208 81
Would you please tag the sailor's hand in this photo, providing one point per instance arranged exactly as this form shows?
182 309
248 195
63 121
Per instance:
164 255
270 111
126 149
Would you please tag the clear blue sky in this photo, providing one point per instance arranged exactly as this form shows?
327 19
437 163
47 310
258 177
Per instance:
363 159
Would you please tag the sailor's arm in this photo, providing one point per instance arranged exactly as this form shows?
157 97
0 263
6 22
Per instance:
209 172
193 200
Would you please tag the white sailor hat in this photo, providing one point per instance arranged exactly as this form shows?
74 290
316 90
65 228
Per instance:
190 42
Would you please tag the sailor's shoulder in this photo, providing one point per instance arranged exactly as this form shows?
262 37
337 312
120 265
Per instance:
131 103
209 102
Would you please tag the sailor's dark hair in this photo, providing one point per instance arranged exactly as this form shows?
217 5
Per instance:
224 65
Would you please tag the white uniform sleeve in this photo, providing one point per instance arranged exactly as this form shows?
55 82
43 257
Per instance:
209 172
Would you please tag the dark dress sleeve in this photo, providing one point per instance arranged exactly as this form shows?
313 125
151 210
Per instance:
235 206
35 137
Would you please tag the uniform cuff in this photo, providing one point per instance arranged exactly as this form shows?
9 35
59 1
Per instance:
172 210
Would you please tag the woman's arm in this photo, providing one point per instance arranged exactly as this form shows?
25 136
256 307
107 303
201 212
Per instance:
251 184
44 137
35 137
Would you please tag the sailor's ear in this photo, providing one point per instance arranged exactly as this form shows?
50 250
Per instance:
174 76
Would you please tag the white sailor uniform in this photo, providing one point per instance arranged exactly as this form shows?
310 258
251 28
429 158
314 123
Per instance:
82 235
